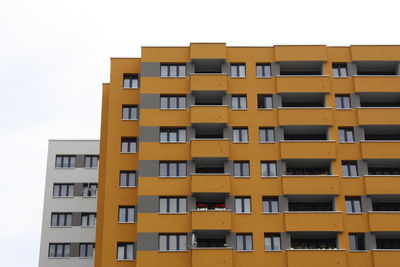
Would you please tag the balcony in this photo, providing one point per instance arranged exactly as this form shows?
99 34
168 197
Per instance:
376 84
203 257
314 221
386 258
377 185
207 50
301 52
211 220
213 183
318 184
310 84
218 148
308 149
378 116
384 221
316 258
208 82
209 114
380 149
305 116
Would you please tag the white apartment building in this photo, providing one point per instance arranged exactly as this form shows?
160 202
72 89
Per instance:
70 200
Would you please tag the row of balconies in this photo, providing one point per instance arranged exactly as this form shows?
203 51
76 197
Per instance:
323 84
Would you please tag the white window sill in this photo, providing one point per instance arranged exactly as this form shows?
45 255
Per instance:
245 250
268 142
179 142
277 250
241 176
127 186
270 176
172 176
174 77
238 77
264 77
353 250
267 109
340 77
172 250
126 222
125 259
239 109
128 152
349 177
271 213
172 109
354 213
173 213
129 119
347 142
130 88
236 142
344 109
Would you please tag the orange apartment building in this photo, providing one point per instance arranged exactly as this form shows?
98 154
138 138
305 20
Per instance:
278 156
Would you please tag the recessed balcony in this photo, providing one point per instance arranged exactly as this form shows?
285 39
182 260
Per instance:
308 149
376 84
209 114
208 82
316 258
377 185
305 116
205 257
380 149
314 221
311 84
386 258
211 220
318 184
384 221
218 148
210 183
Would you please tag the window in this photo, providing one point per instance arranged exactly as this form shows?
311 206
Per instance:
270 204
65 161
349 168
238 70
129 112
343 102
128 145
240 135
239 102
172 169
86 250
173 70
91 161
172 135
272 241
264 101
263 70
267 135
126 214
59 250
127 179
357 241
268 169
242 205
353 205
90 190
241 169
173 102
131 81
172 204
63 190
172 242
61 219
339 69
125 251
244 242
88 219
346 134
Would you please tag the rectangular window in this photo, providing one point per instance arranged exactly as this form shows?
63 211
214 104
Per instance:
59 250
127 179
339 69
353 204
343 102
242 204
172 242
272 241
91 161
172 135
129 112
63 190
267 135
244 242
172 169
125 251
268 169
239 102
264 101
172 205
65 161
173 70
238 70
90 189
346 134
86 250
126 214
240 135
88 219
173 102
357 241
270 204
61 219
241 169
128 145
349 168
263 70
131 81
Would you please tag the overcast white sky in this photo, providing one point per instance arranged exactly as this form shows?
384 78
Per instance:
54 55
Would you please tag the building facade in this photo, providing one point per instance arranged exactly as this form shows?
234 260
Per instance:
69 212
251 156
